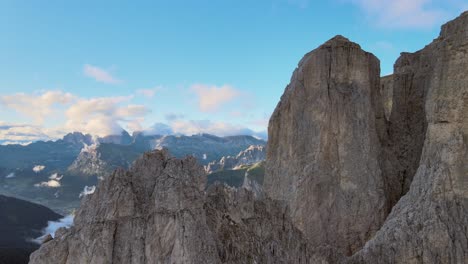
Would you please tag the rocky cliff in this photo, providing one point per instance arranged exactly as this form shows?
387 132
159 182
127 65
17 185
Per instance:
386 91
417 160
324 154
158 212
429 224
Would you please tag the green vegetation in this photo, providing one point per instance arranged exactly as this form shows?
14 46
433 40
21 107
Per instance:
257 172
235 178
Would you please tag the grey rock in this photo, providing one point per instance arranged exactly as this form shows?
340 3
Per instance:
79 139
386 91
324 153
89 162
429 224
158 212
46 238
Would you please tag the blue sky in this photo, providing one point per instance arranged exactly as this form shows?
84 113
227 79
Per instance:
196 66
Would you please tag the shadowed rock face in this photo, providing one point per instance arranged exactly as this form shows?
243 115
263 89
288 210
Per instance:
324 152
420 155
386 91
158 212
429 224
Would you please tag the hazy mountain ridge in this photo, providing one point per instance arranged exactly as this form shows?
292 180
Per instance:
80 159
253 154
101 159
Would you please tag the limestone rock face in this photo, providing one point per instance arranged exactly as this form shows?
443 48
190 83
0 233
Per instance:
253 154
429 224
158 212
324 153
89 162
386 91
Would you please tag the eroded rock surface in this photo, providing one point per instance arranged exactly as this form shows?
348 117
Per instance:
324 153
386 91
158 212
429 224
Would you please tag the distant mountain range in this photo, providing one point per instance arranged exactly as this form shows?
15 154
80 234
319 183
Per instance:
54 173
251 155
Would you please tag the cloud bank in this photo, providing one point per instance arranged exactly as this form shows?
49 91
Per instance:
53 226
211 97
37 106
104 116
192 127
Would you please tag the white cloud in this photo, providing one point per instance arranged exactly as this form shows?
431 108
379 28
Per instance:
20 133
37 106
191 127
53 226
49 184
87 191
38 168
55 177
403 13
211 97
22 142
99 74
158 129
54 182
11 175
102 116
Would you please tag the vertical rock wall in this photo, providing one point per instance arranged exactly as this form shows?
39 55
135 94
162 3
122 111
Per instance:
324 154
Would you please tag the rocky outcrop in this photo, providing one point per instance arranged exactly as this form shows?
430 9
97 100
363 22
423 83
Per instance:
386 91
429 224
158 212
324 154
253 154
421 159
78 139
89 162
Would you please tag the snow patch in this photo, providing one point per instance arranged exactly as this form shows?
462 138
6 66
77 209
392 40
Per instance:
87 191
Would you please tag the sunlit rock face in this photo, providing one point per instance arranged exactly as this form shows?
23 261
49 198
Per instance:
324 154
158 212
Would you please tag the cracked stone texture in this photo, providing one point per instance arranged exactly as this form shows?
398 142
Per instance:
430 223
324 154
158 212
386 91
